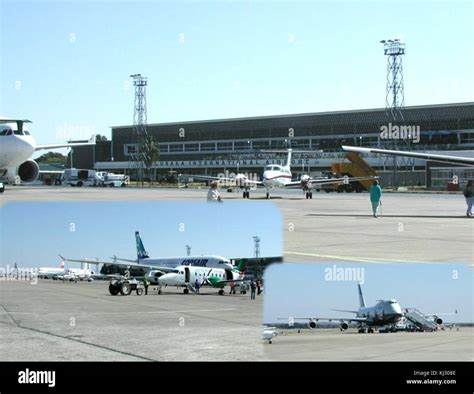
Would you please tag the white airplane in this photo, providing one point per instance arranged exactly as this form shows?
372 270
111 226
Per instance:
460 160
277 176
159 266
186 277
268 333
50 272
75 274
384 312
17 146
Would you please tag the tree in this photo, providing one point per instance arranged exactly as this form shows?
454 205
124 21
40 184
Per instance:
52 157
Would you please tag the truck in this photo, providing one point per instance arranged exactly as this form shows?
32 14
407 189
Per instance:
81 177
113 180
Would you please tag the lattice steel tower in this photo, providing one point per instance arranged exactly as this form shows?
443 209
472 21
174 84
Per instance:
394 97
256 242
139 121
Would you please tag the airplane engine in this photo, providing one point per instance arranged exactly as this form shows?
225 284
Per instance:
312 324
27 172
241 180
304 181
438 320
344 326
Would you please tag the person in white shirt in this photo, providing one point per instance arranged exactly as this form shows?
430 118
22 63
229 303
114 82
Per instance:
213 194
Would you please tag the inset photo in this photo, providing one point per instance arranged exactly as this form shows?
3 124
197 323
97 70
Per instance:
135 281
369 312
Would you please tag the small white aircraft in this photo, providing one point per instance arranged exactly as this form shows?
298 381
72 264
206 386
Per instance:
17 146
186 277
277 176
268 333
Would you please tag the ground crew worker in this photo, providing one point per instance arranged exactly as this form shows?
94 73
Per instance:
375 196
197 285
145 284
252 290
213 194
232 288
469 195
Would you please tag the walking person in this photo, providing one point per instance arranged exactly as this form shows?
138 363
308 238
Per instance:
253 287
375 196
213 194
145 285
469 195
197 285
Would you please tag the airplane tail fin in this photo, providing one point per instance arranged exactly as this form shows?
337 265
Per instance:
361 297
141 252
288 160
242 265
61 265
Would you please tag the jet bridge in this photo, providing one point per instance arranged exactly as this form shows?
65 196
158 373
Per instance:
419 320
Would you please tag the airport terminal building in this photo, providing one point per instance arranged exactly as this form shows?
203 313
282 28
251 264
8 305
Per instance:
239 144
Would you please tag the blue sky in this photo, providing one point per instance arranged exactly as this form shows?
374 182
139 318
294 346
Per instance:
66 64
32 234
300 290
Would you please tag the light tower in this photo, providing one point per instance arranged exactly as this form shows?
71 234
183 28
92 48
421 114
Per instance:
394 97
256 247
394 94
139 121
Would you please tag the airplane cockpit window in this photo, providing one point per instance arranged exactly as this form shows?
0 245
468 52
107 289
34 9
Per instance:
6 131
26 132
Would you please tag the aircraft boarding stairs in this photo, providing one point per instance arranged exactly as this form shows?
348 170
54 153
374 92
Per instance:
419 320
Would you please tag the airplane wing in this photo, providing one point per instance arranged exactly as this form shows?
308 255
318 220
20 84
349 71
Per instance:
341 319
66 145
327 181
464 161
238 180
127 264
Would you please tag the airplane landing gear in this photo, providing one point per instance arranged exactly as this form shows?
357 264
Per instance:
268 195
309 195
221 292
361 330
246 194
370 330
186 291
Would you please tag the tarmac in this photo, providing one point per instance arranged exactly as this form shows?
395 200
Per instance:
334 345
56 321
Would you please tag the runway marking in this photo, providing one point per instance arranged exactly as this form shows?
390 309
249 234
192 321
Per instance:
360 259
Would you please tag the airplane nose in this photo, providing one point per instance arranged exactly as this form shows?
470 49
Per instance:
26 143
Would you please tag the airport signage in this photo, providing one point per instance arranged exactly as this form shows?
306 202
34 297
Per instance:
233 163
